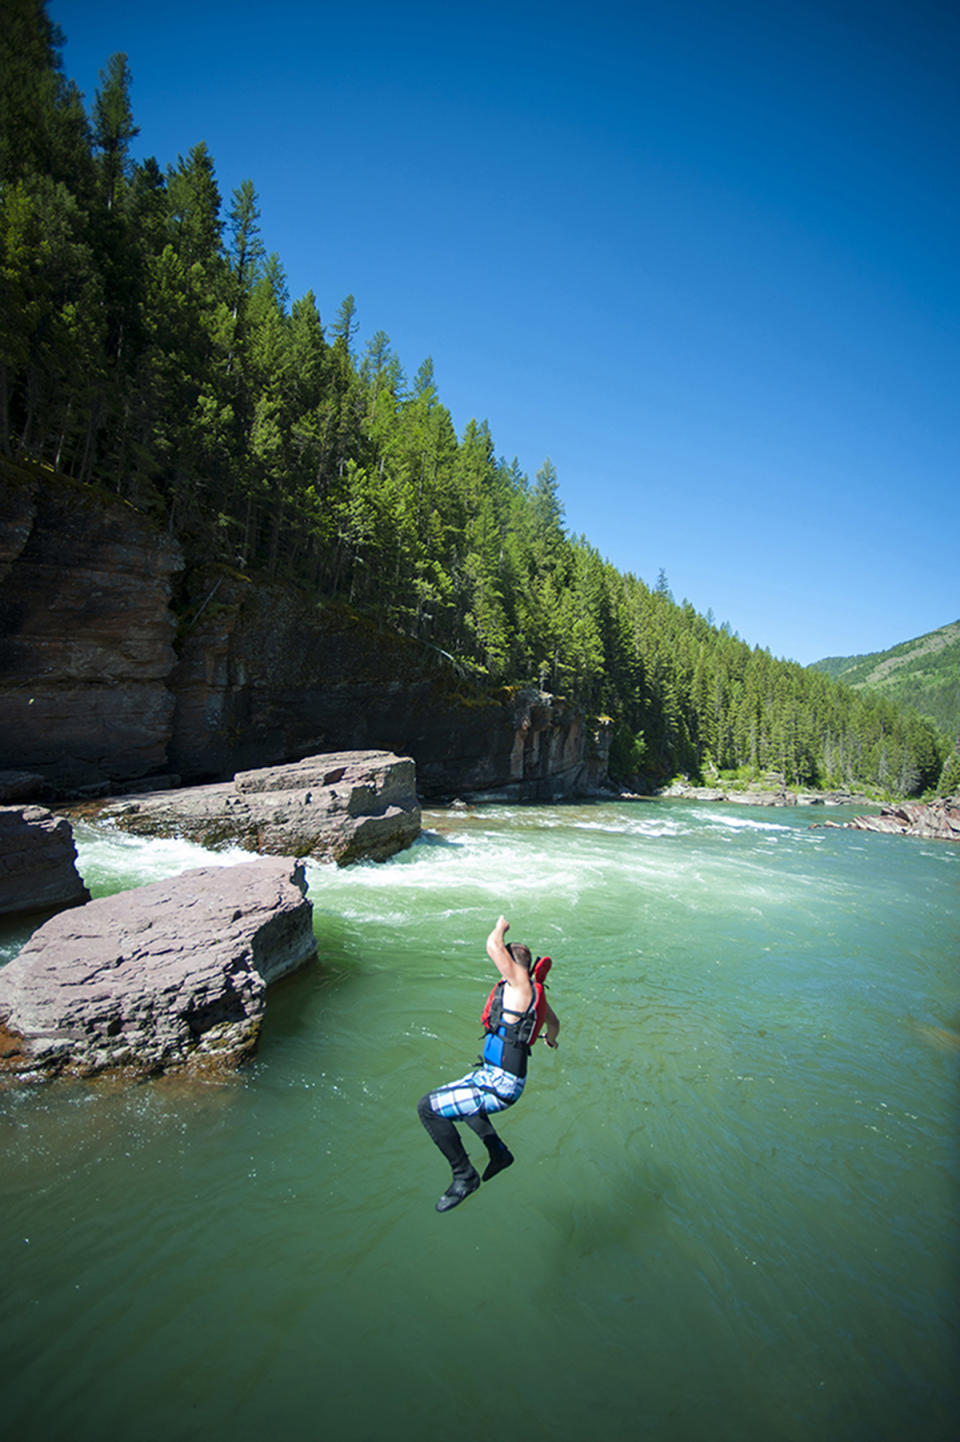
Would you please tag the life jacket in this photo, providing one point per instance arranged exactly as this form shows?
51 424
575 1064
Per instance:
507 1044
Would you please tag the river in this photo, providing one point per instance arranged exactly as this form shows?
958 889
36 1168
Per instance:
733 1213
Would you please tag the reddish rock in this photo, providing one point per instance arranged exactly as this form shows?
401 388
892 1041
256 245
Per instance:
938 821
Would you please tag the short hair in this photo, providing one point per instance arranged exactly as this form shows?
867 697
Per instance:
520 953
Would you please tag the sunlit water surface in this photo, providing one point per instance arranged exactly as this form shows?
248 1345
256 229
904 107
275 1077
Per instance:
734 1209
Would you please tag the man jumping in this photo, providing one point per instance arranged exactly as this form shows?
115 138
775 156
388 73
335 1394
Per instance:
516 1010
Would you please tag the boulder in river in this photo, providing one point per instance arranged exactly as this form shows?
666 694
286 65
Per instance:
344 806
166 977
38 862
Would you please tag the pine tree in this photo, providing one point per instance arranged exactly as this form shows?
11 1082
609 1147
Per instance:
246 253
194 207
113 127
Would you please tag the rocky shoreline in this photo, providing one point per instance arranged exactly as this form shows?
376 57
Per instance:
937 820
760 794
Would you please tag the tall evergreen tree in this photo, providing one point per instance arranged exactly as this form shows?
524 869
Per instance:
247 251
194 208
113 127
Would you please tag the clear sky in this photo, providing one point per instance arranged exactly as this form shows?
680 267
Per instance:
704 256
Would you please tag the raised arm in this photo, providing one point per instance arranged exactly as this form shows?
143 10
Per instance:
511 971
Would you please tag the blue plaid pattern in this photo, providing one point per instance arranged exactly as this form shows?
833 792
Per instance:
487 1089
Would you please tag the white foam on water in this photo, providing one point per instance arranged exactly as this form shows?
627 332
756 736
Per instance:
648 827
476 868
114 860
722 821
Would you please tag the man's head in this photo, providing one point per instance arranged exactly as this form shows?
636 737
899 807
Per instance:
520 953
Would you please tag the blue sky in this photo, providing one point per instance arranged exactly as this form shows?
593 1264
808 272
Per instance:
704 256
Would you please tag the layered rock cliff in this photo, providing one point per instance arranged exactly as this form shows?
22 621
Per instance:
86 634
115 668
267 673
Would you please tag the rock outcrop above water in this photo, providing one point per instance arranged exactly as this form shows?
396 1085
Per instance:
537 747
266 674
345 806
38 862
167 977
938 821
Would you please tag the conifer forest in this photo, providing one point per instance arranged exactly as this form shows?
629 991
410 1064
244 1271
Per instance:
150 347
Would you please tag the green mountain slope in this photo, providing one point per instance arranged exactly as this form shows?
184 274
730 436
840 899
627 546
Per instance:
923 673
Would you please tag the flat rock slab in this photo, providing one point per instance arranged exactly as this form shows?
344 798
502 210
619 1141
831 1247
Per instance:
167 977
344 806
38 862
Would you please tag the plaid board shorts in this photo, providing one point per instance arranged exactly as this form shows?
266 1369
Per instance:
486 1089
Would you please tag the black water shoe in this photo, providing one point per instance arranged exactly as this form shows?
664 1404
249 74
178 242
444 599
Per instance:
458 1191
499 1161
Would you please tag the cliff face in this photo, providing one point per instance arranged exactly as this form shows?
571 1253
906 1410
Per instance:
86 634
266 674
93 692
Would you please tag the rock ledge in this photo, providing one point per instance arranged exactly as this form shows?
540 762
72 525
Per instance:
344 807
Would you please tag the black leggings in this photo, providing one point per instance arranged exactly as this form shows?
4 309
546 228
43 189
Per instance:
444 1133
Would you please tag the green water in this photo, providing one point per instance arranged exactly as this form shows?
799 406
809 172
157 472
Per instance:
734 1209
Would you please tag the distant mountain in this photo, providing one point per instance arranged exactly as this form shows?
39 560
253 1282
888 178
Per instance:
923 673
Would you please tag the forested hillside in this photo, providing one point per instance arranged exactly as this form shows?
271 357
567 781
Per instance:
150 346
923 673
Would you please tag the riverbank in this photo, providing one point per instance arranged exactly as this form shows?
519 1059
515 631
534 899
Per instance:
759 794
938 820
